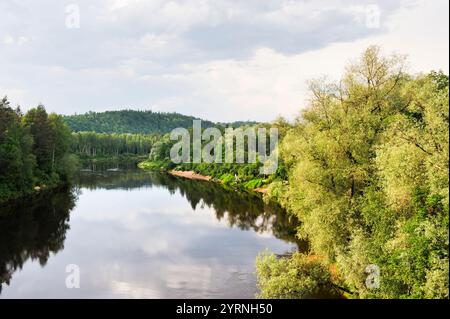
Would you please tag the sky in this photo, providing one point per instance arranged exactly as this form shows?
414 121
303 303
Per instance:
218 60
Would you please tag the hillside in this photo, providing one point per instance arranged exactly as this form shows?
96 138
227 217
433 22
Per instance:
130 121
137 122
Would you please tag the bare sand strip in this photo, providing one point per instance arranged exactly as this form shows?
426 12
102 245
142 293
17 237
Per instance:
260 190
190 175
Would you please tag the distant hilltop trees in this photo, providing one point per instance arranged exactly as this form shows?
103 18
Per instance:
136 122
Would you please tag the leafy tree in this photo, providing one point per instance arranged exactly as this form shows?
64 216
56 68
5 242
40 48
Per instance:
16 159
367 166
34 150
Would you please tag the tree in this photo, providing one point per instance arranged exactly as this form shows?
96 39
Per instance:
34 150
368 177
44 146
16 160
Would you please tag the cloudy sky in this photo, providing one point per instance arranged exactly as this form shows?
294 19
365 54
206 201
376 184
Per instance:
220 60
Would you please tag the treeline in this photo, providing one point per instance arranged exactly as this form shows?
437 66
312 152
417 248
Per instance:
138 122
34 151
130 121
367 165
91 144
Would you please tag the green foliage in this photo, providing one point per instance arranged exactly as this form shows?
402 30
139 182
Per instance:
102 145
130 121
68 164
227 179
298 276
254 183
242 175
156 165
33 151
16 158
417 255
367 167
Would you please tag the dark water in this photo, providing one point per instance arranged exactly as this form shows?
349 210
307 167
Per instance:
136 234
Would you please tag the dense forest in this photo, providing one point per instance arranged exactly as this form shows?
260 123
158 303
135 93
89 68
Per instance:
365 170
34 151
130 121
137 122
127 132
103 145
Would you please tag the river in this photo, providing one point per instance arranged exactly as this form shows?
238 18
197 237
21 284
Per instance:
136 234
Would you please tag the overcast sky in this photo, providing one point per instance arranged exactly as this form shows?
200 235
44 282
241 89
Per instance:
219 60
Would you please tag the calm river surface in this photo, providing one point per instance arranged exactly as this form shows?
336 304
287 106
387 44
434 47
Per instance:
136 234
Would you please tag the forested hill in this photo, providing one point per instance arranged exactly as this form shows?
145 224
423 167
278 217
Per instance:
131 121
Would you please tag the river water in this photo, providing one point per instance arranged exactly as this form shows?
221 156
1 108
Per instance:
135 234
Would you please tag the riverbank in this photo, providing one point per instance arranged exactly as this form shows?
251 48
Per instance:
194 176
190 175
250 184
35 192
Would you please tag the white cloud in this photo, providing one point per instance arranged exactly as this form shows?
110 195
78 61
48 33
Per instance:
271 83
221 60
8 39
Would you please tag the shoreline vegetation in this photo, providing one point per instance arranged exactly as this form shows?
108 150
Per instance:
194 176
250 183
34 152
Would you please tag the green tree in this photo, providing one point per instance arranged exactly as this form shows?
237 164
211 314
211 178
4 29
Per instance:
44 146
368 177
16 160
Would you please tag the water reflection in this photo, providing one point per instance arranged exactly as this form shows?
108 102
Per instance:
33 230
240 209
140 234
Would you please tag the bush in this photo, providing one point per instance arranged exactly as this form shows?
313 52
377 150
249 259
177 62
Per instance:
254 183
299 276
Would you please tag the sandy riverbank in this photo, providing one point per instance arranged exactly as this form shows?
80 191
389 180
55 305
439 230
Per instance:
190 175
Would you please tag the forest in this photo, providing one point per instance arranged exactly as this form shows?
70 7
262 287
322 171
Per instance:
34 151
102 145
129 121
